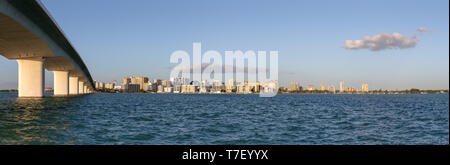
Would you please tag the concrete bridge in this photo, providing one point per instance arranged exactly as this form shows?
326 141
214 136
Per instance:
29 35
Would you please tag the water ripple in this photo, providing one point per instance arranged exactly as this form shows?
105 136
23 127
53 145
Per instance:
225 119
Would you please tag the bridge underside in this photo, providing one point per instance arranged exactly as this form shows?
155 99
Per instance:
33 55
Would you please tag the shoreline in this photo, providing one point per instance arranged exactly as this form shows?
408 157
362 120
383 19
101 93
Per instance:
283 93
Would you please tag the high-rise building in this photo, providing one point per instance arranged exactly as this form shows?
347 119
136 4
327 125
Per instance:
100 85
365 87
141 81
341 86
322 87
231 86
157 82
203 87
126 80
166 83
294 86
109 86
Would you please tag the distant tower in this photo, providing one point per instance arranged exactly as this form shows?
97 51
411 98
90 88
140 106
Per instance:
341 86
322 87
365 87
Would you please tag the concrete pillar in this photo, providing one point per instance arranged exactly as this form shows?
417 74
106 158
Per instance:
31 77
80 87
85 89
61 83
73 85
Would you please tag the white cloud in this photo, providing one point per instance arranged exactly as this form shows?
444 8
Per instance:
424 30
382 41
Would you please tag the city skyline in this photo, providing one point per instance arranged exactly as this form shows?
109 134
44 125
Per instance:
310 51
175 85
141 84
184 85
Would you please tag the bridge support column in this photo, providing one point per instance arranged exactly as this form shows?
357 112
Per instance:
61 83
85 89
80 87
73 85
31 77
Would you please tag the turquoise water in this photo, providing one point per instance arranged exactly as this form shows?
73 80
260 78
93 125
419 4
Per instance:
225 119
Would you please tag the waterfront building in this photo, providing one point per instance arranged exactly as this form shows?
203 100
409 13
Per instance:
254 87
102 85
247 89
108 86
310 88
154 87
166 83
177 89
157 82
132 87
160 89
350 89
188 89
322 87
168 89
191 89
217 86
126 80
294 86
365 87
203 85
231 86
332 88
243 88
184 88
150 87
271 87
232 82
99 85
240 88
341 86
141 81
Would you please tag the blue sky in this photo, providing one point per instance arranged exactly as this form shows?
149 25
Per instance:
118 38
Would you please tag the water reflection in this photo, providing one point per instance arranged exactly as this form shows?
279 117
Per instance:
36 121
